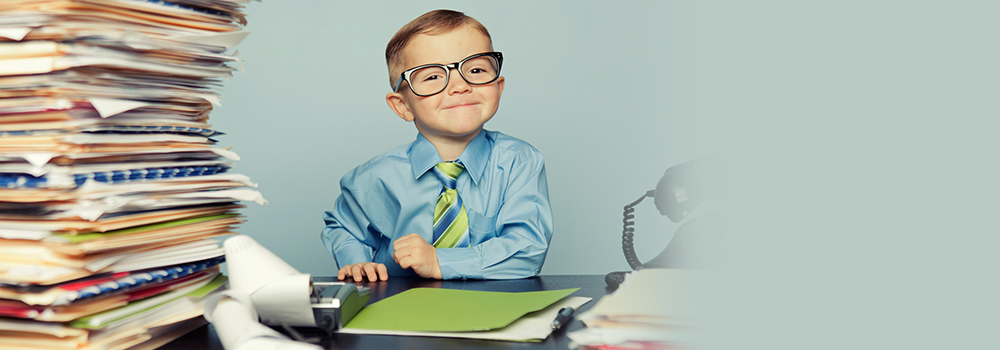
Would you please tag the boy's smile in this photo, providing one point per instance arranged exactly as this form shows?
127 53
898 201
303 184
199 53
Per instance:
457 114
462 105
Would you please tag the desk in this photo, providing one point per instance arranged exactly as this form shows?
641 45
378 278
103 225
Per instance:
590 286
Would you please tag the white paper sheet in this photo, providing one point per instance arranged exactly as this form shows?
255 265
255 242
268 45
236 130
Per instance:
237 327
15 34
227 39
108 106
285 300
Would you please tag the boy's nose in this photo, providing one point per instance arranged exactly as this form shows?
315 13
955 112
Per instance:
458 85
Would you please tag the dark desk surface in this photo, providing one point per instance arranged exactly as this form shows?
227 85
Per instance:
590 286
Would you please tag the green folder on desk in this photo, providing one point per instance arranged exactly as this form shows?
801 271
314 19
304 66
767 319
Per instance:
452 310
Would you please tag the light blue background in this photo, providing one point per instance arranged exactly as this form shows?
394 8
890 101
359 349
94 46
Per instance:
859 138
597 88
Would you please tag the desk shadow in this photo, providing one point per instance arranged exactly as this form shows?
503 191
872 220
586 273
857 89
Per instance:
356 341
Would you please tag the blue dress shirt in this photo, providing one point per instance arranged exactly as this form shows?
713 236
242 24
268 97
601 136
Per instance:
505 194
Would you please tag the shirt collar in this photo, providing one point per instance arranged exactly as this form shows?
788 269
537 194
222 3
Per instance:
423 156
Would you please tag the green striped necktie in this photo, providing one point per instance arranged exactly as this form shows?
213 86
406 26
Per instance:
451 224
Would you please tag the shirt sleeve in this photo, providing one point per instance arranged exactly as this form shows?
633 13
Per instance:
525 224
346 234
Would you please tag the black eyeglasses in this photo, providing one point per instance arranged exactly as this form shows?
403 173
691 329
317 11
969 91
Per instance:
430 79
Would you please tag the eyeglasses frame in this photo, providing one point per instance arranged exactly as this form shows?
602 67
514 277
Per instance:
405 75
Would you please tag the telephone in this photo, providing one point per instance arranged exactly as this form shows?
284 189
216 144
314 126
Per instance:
682 188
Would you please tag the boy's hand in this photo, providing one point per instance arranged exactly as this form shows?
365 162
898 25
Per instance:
413 252
374 271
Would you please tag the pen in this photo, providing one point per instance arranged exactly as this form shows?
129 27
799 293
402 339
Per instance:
562 317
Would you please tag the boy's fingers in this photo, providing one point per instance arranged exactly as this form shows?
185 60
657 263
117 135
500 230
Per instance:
402 242
356 272
401 252
404 262
409 236
383 272
359 271
370 272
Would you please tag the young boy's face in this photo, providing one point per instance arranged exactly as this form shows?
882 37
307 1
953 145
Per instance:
458 113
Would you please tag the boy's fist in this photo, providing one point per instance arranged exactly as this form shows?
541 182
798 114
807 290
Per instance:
374 271
413 252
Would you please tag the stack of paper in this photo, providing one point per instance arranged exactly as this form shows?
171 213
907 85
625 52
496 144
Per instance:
113 196
652 309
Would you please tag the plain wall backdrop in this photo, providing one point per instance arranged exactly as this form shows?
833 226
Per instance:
598 89
859 139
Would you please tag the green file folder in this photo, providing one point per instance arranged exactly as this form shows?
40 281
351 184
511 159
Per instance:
452 310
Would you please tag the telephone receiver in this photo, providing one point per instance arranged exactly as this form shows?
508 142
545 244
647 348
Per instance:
682 189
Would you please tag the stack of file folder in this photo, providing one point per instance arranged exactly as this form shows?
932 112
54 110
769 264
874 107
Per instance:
113 195
653 309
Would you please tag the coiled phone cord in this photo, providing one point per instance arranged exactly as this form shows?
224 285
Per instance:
616 278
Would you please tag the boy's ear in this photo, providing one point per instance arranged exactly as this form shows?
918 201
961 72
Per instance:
500 82
398 105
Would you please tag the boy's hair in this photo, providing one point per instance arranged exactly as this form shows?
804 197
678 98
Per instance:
431 23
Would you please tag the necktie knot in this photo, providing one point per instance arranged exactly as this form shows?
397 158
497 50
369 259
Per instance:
448 173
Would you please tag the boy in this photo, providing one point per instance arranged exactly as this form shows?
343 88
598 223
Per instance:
460 201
